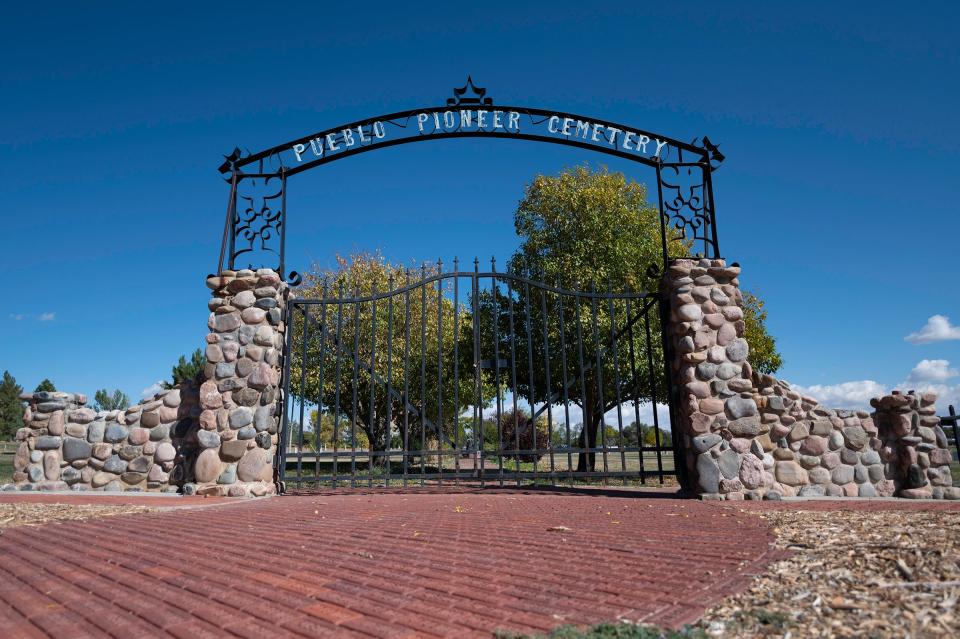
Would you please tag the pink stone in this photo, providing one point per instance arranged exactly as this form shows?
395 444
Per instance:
814 445
740 444
901 425
791 473
165 452
714 320
55 423
263 376
255 466
253 315
208 466
138 436
209 395
726 334
940 456
751 471
711 406
51 465
851 490
730 486
700 423
778 431
208 420
699 389
230 351
830 460
168 414
885 488
22 457
869 426
157 474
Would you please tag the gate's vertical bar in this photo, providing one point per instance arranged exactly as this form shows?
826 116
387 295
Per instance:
477 381
546 362
636 385
423 369
280 465
338 345
372 415
495 310
456 370
533 386
616 376
440 433
303 392
600 399
584 427
356 384
513 375
318 426
406 377
566 396
653 387
389 440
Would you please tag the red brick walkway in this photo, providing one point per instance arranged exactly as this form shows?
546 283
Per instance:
377 565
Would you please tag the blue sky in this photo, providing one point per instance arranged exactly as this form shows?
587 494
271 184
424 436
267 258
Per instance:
838 121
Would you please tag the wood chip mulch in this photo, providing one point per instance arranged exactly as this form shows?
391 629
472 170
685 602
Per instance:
852 574
27 514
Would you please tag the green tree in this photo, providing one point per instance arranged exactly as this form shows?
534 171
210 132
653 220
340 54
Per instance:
185 371
11 408
46 386
764 356
593 230
374 373
105 400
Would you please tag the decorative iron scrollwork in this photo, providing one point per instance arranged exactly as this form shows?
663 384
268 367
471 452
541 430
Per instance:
686 207
258 219
477 95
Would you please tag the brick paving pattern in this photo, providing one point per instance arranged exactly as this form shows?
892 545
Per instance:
416 564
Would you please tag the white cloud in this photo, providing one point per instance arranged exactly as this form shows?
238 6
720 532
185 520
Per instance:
932 370
851 395
16 317
47 317
937 329
152 389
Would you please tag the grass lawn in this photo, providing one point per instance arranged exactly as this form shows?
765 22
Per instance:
6 468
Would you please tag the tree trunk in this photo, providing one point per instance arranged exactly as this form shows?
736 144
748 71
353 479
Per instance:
592 416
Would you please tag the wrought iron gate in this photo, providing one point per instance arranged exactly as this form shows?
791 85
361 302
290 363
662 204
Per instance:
473 377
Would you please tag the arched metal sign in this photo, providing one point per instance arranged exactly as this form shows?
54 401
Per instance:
255 227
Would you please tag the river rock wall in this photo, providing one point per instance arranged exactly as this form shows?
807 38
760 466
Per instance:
67 445
213 436
752 436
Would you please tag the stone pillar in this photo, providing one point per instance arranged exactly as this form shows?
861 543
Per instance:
240 397
915 448
717 411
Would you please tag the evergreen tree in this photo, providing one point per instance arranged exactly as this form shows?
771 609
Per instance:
45 386
105 400
185 371
11 408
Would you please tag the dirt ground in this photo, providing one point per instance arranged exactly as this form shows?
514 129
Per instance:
893 573
33 514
